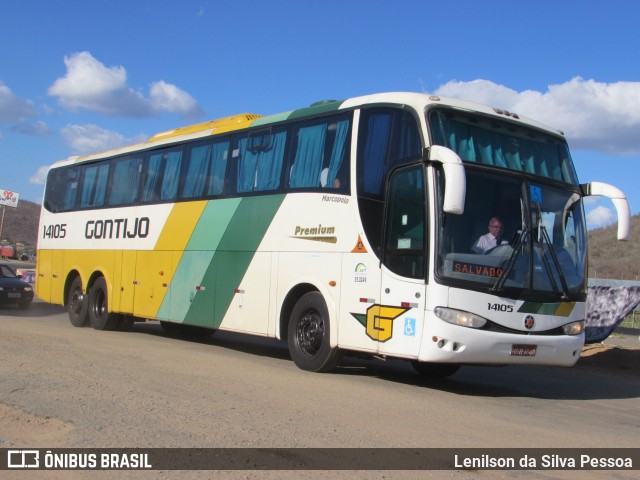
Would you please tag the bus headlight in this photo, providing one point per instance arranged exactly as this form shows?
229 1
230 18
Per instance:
458 317
573 328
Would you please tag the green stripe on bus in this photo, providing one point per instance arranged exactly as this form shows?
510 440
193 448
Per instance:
207 234
196 258
559 309
548 308
316 109
279 117
230 262
529 307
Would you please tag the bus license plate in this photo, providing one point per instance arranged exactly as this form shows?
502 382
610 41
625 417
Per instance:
523 350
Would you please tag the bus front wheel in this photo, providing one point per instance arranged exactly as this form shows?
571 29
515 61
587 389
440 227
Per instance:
78 304
308 335
99 315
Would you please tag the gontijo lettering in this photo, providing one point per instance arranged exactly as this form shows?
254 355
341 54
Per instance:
117 228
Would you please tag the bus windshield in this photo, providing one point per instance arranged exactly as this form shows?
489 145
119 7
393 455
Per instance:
485 141
516 235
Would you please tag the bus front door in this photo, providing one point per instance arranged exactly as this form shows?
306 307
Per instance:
403 287
401 315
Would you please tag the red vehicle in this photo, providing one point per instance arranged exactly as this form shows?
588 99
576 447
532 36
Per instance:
8 252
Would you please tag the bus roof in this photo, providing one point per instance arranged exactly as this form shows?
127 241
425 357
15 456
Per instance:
235 122
418 101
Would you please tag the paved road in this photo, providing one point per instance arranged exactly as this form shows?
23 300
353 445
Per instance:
62 386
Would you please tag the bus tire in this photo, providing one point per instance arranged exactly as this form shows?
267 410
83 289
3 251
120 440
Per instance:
99 315
77 304
435 370
308 335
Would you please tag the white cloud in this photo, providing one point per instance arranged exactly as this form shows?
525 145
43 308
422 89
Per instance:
90 85
600 217
14 109
591 200
169 97
40 176
596 116
89 138
39 128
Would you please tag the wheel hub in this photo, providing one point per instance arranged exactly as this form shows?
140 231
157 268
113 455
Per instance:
310 332
76 301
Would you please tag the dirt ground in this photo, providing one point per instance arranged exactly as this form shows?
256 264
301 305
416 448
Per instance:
23 429
620 351
64 387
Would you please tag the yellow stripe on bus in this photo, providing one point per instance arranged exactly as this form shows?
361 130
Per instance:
179 226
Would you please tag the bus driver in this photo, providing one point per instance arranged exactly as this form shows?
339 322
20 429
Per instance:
489 240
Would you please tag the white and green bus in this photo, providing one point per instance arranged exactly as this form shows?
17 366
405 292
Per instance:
346 226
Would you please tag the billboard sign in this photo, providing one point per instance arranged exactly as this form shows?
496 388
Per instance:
9 198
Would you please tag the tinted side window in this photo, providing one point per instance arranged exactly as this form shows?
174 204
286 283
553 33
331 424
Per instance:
125 182
257 161
206 171
388 137
62 189
162 176
404 251
320 157
94 184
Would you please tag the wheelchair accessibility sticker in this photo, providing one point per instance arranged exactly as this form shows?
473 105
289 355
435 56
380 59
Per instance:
409 327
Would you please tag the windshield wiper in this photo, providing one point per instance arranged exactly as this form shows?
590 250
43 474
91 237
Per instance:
522 235
556 263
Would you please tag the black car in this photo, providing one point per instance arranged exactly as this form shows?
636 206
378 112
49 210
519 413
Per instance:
13 290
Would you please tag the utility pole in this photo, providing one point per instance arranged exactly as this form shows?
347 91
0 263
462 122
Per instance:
2 222
7 197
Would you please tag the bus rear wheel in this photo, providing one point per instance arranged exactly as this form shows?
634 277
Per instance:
78 304
435 370
308 335
99 315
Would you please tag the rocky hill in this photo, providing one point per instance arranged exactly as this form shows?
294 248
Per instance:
21 223
610 258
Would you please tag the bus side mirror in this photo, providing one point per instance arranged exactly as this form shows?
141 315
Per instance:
619 201
454 178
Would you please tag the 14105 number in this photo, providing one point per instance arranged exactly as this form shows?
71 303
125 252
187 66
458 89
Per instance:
500 307
58 230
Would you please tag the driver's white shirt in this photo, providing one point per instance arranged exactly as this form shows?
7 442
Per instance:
484 243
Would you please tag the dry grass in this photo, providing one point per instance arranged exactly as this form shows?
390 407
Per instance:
21 223
610 258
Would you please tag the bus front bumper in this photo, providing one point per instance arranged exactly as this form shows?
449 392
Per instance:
447 343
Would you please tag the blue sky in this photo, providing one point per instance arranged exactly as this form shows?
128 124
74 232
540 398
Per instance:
82 76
